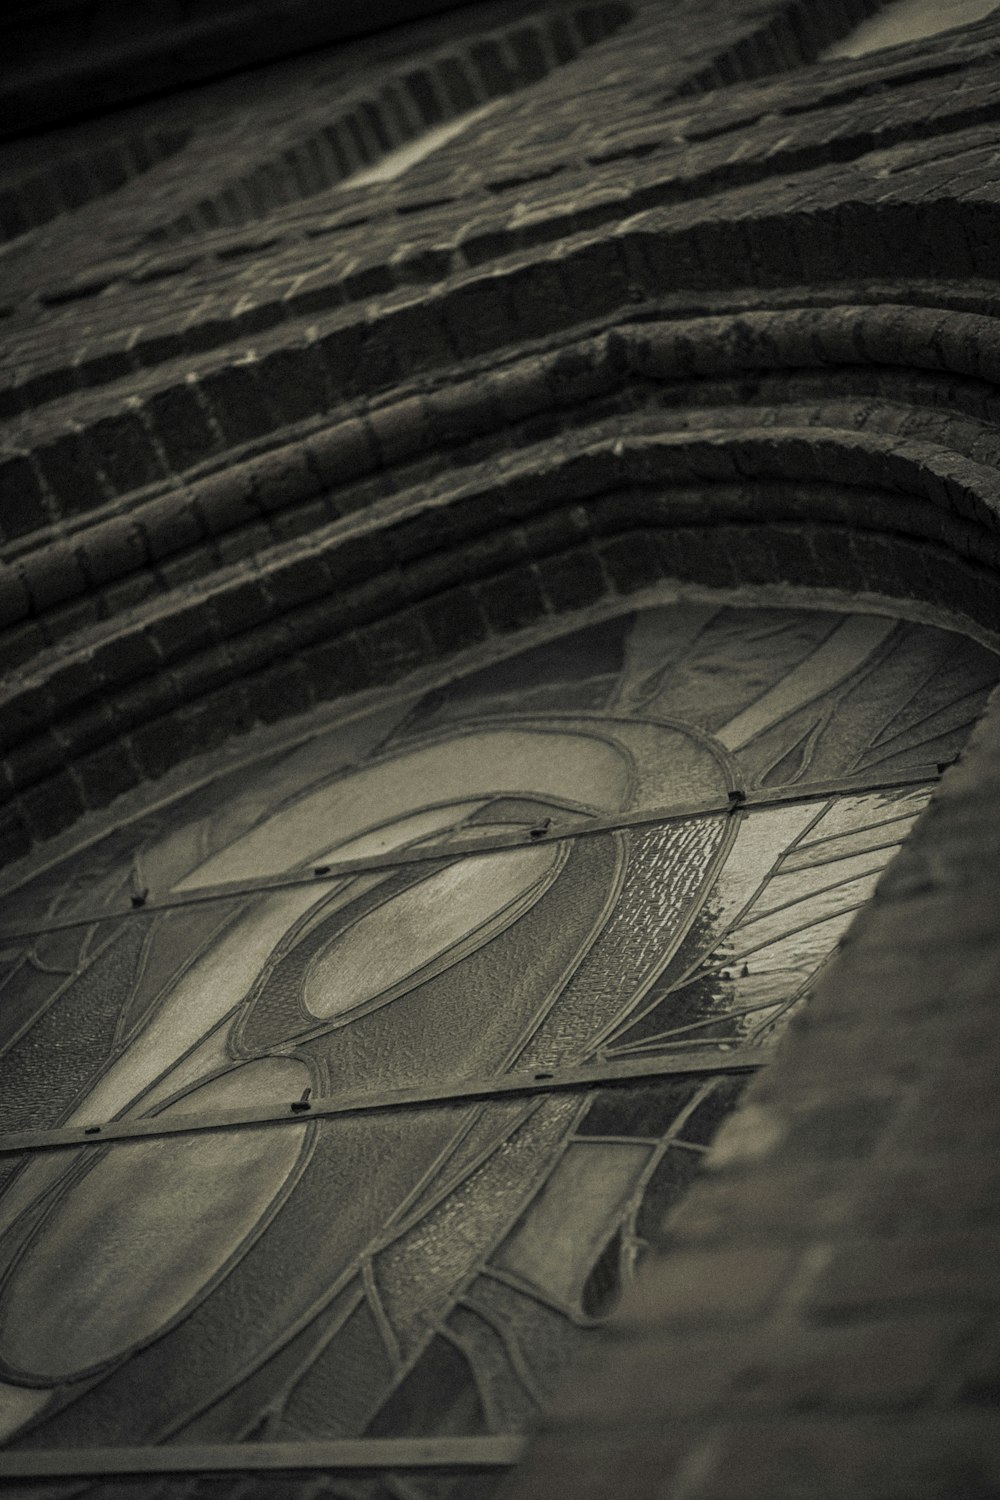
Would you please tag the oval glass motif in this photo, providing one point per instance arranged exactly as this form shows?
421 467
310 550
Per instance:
142 1234
480 764
408 936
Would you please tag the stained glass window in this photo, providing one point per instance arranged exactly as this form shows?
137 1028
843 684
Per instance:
486 969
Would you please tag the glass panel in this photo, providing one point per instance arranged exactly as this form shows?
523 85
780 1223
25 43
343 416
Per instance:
322 1278
269 1270
573 1218
142 1230
469 901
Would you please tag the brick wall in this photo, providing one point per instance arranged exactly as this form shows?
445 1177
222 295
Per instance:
824 1322
683 306
70 58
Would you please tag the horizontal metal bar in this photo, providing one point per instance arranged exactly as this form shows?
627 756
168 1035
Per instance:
489 843
680 1064
339 1454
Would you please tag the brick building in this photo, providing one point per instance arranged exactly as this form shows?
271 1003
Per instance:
500 502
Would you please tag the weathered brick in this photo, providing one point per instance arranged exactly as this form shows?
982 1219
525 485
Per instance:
296 382
15 599
216 716
127 656
888 1365
28 708
642 1382
106 773
395 646
711 1287
572 579
170 525
68 468
340 349
233 547
336 667
400 430
144 700
161 743
492 66
630 561
283 690
914 1193
238 399
357 559
87 728
453 619
16 836
183 631
51 806
124 452
241 606
114 549
932 1455
22 503
23 642
953 1268
693 555
299 581
52 574
590 1465
511 599
282 478
478 315
30 761
181 425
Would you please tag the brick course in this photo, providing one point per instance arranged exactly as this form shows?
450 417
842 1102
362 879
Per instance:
682 310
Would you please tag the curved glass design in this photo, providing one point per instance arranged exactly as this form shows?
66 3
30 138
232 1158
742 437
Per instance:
639 840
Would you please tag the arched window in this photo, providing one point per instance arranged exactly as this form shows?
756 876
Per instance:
343 1092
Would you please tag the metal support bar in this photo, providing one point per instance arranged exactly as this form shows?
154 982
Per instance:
697 1064
365 1454
489 843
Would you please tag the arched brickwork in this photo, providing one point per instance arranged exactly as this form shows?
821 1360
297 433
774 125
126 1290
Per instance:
840 446
691 310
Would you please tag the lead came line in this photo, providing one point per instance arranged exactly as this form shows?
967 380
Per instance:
392 859
340 1454
744 1060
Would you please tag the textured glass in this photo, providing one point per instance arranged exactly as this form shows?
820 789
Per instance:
324 824
847 648
430 1270
573 1216
398 943
129 1244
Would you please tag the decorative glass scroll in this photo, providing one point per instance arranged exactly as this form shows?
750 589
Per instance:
643 838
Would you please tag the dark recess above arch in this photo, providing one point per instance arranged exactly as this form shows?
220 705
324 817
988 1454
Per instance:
72 59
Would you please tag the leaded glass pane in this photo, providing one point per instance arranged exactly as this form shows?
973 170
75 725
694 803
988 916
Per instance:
638 841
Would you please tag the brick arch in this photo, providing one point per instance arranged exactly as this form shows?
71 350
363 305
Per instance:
438 446
892 398
354 607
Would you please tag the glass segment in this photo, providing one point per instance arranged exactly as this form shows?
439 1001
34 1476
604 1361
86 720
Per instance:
635 843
